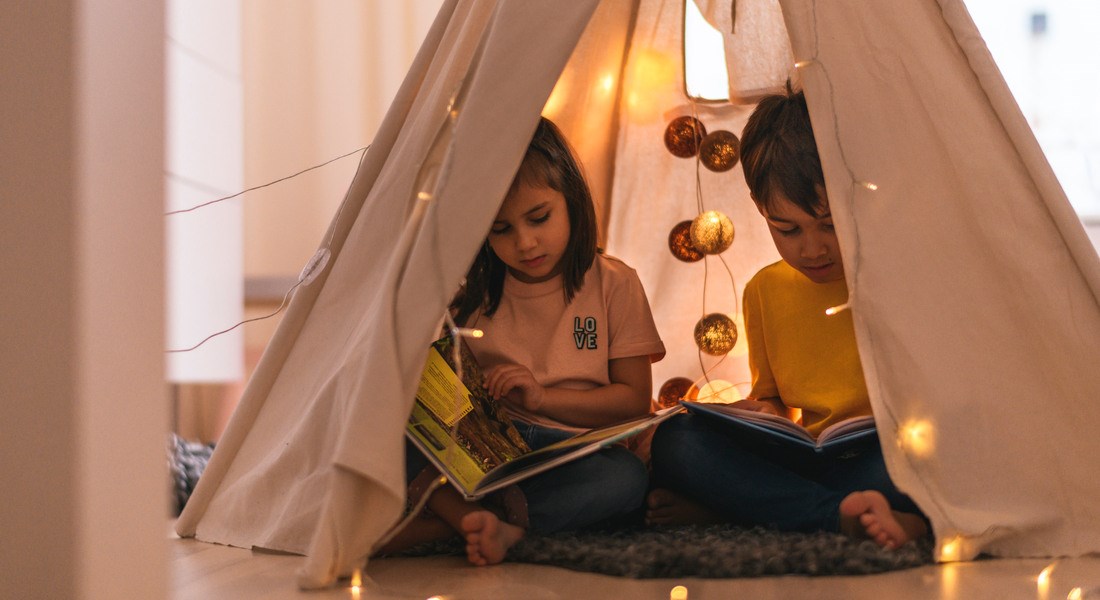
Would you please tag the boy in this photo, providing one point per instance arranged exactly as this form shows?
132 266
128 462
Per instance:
799 357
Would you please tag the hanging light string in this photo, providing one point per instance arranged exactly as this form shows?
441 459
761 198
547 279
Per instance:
697 138
281 179
313 267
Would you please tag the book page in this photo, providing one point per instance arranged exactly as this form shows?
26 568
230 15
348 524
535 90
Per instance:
456 423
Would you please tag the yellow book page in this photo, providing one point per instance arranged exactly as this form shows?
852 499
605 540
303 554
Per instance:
440 389
437 440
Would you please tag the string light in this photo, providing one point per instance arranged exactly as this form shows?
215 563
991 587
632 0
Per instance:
917 438
804 63
467 332
1075 594
832 310
1043 581
678 593
719 391
868 185
951 550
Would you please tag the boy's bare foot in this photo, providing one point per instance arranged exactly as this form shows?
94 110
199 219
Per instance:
488 538
868 514
665 507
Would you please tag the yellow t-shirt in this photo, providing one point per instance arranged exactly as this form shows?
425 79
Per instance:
800 354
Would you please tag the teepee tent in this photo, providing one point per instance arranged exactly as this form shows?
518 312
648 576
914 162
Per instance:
973 289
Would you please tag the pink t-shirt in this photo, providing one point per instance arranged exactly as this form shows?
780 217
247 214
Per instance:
569 346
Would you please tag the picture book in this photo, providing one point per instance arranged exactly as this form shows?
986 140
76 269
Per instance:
468 436
780 432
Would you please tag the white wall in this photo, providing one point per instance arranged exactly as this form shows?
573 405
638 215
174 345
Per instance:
82 397
205 278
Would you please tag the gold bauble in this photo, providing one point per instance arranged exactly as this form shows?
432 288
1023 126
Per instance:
679 243
716 334
712 232
683 135
674 390
719 150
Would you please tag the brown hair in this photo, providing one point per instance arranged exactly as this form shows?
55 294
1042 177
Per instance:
779 155
549 162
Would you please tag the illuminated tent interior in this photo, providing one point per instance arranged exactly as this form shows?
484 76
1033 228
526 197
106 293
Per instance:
974 290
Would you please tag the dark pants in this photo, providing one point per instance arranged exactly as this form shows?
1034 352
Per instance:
608 484
784 491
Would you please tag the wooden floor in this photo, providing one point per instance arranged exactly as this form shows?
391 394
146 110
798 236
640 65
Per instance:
203 571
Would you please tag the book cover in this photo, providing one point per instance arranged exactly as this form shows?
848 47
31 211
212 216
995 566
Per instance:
468 436
780 432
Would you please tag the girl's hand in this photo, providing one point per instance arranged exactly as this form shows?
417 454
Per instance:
516 385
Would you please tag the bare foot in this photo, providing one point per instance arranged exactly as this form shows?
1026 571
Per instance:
868 513
488 538
665 507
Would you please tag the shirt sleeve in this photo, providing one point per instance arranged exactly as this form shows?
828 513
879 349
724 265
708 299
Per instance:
763 381
630 320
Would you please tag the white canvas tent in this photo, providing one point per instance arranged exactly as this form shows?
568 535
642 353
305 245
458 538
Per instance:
974 289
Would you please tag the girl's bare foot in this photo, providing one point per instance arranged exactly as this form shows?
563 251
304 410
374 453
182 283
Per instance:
665 507
488 538
868 513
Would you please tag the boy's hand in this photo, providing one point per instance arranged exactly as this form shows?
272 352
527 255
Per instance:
757 406
516 385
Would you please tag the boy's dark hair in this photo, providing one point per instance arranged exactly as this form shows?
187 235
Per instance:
779 155
549 162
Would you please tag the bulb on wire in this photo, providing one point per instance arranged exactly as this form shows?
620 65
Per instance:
679 243
712 232
683 136
716 334
674 390
720 151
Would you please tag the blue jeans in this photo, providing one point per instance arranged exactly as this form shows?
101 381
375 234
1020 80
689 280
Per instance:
704 462
610 483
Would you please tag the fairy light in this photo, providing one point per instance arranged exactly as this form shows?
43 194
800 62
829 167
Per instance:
832 310
1075 594
870 185
469 332
917 438
678 593
951 550
804 63
1042 582
719 391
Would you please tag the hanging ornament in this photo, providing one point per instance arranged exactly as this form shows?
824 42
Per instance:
719 391
712 232
679 243
674 390
719 150
683 135
715 334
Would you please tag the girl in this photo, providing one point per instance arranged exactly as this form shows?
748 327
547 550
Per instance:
568 342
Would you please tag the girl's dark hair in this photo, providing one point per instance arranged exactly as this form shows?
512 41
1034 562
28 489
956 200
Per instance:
779 154
549 162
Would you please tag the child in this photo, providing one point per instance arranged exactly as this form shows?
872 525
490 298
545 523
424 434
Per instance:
799 357
568 342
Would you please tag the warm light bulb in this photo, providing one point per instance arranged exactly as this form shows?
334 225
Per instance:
712 232
803 63
1075 594
951 550
678 593
719 391
832 310
869 185
607 83
424 195
1043 581
917 438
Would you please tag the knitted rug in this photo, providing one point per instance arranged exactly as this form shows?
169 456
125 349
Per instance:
714 551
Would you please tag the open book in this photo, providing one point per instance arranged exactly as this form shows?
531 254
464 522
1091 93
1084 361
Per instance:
776 431
468 436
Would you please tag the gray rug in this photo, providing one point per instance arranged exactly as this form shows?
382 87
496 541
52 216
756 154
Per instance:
716 551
